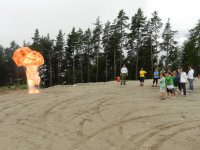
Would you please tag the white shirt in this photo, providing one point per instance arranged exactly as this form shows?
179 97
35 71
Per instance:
183 78
124 70
191 74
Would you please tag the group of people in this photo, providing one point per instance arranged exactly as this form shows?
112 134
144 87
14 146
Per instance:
124 74
175 82
171 82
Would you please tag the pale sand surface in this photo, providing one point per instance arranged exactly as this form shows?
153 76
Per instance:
103 116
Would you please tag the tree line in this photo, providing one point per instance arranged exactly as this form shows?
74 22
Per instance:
97 54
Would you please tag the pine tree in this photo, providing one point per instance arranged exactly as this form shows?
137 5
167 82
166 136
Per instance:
36 41
87 53
97 41
70 46
169 45
1 54
71 56
12 69
135 38
79 55
59 57
155 26
121 28
191 49
145 58
2 66
105 41
114 53
46 45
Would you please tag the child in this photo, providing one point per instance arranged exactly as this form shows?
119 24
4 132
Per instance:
142 76
176 82
155 78
162 85
183 81
170 84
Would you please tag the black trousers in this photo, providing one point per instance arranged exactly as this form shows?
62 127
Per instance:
155 80
184 88
178 84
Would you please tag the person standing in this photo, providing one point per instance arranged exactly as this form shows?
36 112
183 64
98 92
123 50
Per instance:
124 74
179 83
176 82
170 84
183 81
142 76
191 78
155 77
162 85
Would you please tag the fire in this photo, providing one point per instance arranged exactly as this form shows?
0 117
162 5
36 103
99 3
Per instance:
31 60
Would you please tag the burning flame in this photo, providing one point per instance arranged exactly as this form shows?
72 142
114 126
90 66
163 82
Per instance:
31 60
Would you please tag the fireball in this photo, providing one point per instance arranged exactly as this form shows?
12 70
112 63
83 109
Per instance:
31 60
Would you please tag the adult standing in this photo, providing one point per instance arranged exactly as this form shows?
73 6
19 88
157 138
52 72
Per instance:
191 78
124 74
179 83
183 81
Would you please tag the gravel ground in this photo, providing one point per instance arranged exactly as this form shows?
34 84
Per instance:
101 116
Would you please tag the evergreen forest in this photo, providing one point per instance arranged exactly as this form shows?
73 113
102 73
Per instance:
98 53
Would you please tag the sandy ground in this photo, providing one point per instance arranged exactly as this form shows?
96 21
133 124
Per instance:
103 116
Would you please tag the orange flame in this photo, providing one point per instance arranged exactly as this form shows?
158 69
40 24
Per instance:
31 60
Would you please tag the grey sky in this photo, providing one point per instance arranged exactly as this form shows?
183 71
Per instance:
20 18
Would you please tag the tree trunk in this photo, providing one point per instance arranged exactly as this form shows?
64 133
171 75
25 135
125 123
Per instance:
106 67
88 65
81 72
167 55
58 68
97 67
88 68
97 75
136 71
151 57
73 69
50 69
114 64
121 44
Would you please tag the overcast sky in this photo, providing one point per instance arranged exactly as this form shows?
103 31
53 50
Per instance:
20 18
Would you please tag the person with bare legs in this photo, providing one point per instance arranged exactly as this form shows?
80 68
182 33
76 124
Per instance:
142 76
170 84
162 85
